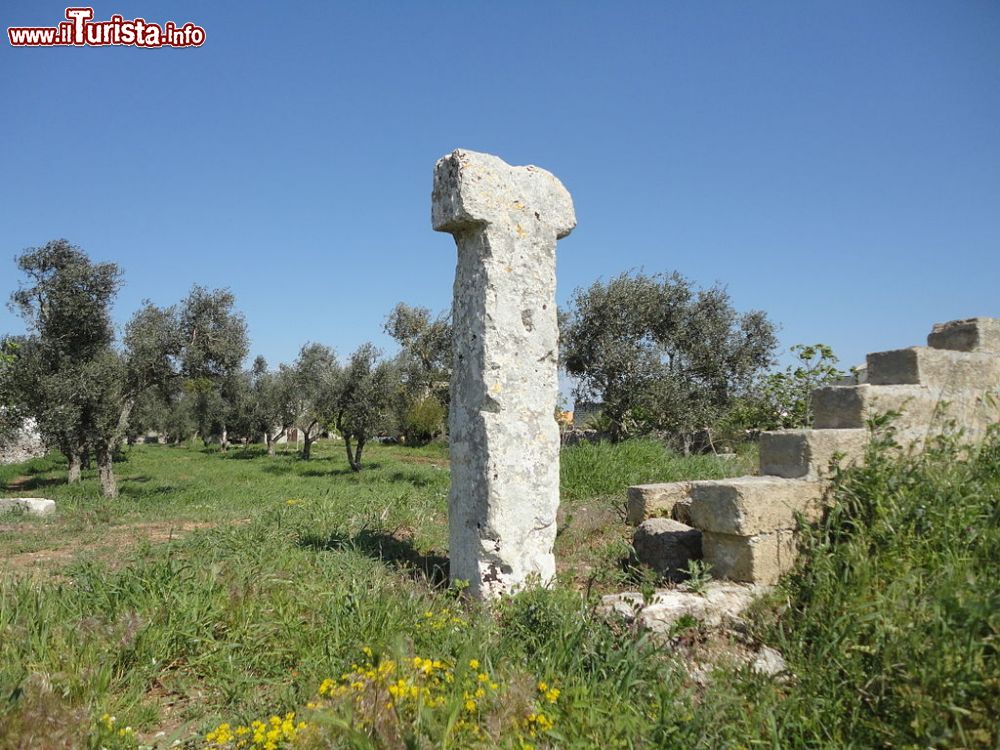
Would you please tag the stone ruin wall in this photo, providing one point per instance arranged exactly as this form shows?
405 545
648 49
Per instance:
24 445
747 524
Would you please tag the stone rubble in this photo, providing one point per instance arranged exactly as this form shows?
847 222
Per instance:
721 603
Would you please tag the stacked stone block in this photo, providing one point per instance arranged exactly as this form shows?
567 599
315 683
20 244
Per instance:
749 524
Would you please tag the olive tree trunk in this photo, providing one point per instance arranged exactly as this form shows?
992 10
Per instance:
354 457
75 468
271 438
106 472
308 436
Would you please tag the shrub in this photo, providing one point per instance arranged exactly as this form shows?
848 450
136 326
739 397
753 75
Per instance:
423 421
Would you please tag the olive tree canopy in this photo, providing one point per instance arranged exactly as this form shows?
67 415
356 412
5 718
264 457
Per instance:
661 354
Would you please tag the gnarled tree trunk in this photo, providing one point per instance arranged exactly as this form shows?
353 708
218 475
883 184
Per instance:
354 457
75 468
357 455
106 472
272 440
308 436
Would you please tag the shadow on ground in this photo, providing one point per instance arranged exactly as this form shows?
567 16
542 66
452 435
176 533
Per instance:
395 550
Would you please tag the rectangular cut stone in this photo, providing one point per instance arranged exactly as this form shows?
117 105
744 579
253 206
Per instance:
923 411
761 558
936 368
972 335
651 500
845 407
31 506
809 454
503 435
745 506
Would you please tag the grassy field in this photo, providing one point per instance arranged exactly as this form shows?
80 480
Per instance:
223 589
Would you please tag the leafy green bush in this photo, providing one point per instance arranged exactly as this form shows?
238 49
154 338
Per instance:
423 421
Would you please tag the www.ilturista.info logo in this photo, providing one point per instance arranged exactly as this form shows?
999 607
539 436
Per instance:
80 30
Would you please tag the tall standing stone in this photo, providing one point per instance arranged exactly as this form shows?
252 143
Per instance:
503 433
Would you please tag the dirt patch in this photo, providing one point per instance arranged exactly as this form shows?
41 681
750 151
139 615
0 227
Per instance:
173 725
109 547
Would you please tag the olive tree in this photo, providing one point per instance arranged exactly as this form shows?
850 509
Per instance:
272 401
214 343
11 417
362 400
311 381
661 354
66 306
424 364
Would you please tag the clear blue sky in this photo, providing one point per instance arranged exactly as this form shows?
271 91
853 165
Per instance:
836 164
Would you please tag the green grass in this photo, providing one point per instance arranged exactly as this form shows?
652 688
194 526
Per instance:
592 470
226 588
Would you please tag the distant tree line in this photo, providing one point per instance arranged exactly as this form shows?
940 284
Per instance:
178 372
658 354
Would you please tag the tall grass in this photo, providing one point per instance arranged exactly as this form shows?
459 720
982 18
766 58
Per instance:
892 625
890 629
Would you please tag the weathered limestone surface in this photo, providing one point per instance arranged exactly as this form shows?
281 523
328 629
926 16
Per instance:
923 410
760 558
720 603
920 365
746 506
666 545
503 434
669 499
809 454
971 335
31 506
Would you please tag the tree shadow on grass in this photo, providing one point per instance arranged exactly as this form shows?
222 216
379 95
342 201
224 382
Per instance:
412 477
343 471
395 549
278 468
244 454
32 483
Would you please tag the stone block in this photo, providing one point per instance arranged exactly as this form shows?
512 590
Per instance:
971 335
760 558
941 368
745 506
31 506
651 500
666 545
849 407
809 454
923 411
